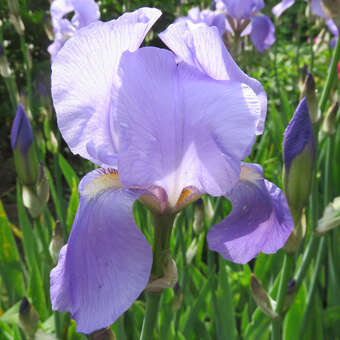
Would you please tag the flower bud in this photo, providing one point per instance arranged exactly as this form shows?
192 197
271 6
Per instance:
35 197
177 301
262 299
192 250
309 91
290 295
13 6
17 23
198 223
293 243
329 123
103 334
25 157
168 280
28 318
57 242
330 218
5 70
299 157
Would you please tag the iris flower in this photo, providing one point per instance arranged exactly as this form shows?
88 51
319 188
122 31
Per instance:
316 10
85 12
208 17
165 127
246 16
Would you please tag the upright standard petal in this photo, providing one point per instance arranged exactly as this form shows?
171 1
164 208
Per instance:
179 127
204 49
317 9
260 219
83 75
208 17
282 6
241 10
85 12
107 261
262 32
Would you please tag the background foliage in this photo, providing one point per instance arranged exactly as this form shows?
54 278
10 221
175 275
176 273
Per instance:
213 297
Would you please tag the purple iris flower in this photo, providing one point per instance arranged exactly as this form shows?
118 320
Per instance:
208 17
260 27
85 12
316 10
166 127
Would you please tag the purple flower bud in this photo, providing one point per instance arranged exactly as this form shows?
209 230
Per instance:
21 134
2 51
299 157
28 318
25 157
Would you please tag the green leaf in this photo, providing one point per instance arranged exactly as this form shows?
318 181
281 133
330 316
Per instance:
10 265
72 205
225 304
293 320
67 171
199 305
55 198
30 246
36 292
12 314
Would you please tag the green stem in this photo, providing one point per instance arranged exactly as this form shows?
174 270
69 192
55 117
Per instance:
317 267
330 77
307 258
161 244
27 72
43 240
288 263
161 256
150 318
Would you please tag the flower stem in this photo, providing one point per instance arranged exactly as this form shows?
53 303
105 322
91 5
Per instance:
161 255
316 270
330 77
150 318
288 263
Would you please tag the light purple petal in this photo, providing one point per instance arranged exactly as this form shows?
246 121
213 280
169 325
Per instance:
260 220
241 9
262 32
207 17
332 27
183 128
85 12
204 49
282 6
83 74
317 9
107 261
